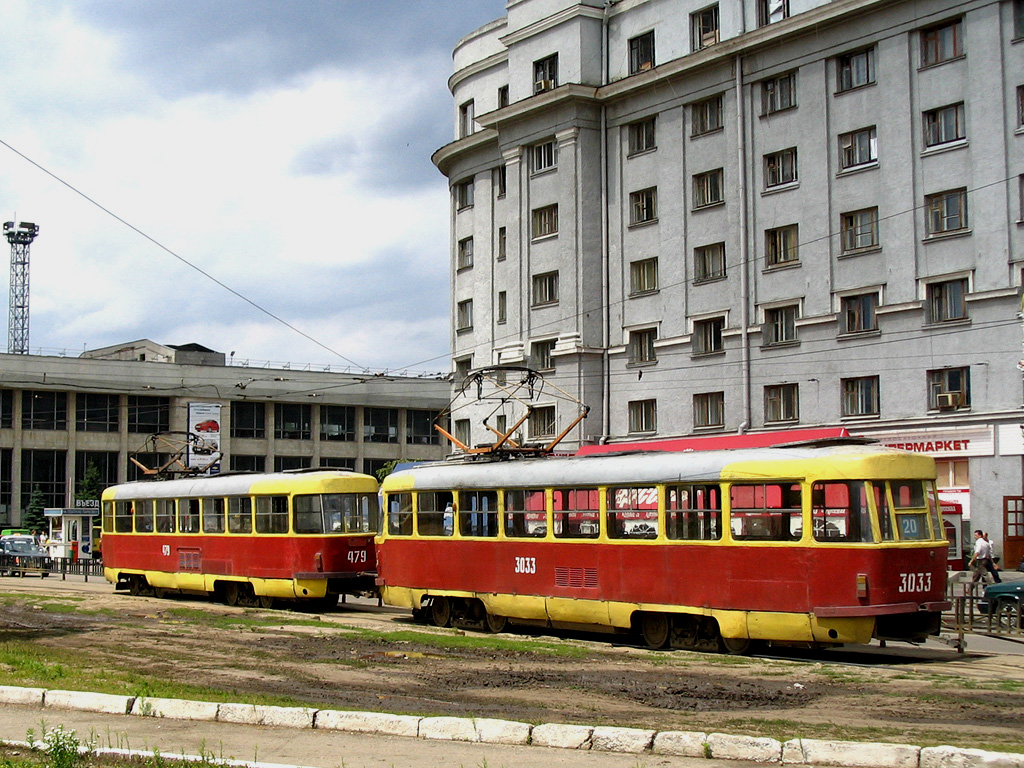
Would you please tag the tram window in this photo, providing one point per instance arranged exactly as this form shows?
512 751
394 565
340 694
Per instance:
478 513
693 512
351 512
576 513
840 512
123 516
909 504
188 516
307 514
884 518
144 516
213 515
239 514
525 514
399 506
432 515
165 515
271 514
938 526
108 517
632 513
766 512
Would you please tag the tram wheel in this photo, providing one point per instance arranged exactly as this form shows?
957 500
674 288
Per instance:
495 623
735 646
266 601
441 611
159 592
656 630
136 585
231 593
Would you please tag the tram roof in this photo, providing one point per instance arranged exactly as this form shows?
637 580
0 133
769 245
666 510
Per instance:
840 462
225 485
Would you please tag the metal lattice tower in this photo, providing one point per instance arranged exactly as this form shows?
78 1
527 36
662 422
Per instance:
20 236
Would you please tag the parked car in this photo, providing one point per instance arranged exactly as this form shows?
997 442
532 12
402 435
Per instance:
1005 602
20 554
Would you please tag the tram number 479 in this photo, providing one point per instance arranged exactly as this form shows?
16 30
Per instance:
357 555
526 565
915 582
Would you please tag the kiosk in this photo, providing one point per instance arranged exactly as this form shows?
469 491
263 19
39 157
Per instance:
71 532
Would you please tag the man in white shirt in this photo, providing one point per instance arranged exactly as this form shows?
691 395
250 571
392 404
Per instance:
981 558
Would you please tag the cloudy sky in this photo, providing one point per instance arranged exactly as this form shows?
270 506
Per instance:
282 146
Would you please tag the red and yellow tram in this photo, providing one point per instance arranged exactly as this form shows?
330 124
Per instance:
248 538
795 545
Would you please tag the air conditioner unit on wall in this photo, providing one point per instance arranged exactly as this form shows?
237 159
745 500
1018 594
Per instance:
543 85
946 401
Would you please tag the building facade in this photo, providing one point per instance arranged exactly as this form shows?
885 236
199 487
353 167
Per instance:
710 218
62 417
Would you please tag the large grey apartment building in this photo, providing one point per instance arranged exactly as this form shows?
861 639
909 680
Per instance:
710 218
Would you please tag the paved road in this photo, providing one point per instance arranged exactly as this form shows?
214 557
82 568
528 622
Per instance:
319 749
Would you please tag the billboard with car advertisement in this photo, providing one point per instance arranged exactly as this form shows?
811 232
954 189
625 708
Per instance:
204 424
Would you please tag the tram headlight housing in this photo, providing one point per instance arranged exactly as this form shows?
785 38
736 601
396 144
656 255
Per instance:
318 560
862 585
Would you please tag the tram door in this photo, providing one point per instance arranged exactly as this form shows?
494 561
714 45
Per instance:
1013 532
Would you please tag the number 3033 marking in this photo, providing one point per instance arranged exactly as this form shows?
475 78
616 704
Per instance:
526 565
915 582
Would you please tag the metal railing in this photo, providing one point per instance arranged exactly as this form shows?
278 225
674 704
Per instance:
973 613
19 565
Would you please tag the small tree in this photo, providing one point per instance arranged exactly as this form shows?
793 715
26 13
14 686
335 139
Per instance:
32 517
386 470
90 486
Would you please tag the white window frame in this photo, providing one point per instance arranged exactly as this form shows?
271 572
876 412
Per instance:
705 27
778 93
782 245
643 416
858 230
709 188
641 346
641 53
946 212
544 156
709 262
641 136
707 334
855 70
780 168
858 148
544 221
942 42
464 315
779 324
706 116
643 276
944 125
544 289
643 206
708 410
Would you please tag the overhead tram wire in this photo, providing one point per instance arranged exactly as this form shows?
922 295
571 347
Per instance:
182 259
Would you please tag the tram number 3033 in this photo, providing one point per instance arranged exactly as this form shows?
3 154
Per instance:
526 565
915 582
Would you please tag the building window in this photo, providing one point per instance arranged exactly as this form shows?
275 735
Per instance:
502 243
642 136
942 42
780 325
102 465
545 74
643 416
943 125
1020 106
465 255
464 194
781 245
544 156
338 462
858 313
705 27
780 168
502 314
641 346
541 355
858 148
466 124
949 388
706 116
707 335
462 431
545 288
292 421
860 396
338 423
771 11
709 262
96 413
291 464
946 211
545 221
543 421
419 428
503 100
6 485
44 471
946 301
148 415
1018 19
859 230
641 53
380 425
247 463
643 206
854 70
6 411
709 409
643 276
462 368
500 180
248 420
781 403
44 410
708 188
464 315
778 93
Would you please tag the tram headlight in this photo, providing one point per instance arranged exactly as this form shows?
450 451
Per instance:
862 585
318 559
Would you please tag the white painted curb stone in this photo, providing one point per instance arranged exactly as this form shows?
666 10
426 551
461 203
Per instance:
106 703
957 757
681 743
632 740
491 731
174 709
368 722
252 714
12 694
562 736
757 749
447 729
859 755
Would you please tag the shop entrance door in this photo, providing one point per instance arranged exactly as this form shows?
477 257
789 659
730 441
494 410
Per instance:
1013 532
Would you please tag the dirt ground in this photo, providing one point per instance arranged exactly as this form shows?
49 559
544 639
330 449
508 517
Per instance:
921 696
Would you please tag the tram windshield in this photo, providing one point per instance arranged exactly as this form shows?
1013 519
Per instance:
335 513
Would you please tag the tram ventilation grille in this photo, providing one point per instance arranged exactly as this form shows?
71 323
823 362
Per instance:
579 578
